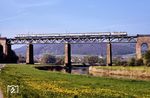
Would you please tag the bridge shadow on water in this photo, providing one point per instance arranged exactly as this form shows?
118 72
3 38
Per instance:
77 69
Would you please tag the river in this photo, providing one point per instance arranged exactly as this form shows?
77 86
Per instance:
101 73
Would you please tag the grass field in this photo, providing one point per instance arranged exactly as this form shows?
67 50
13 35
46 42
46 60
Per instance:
34 83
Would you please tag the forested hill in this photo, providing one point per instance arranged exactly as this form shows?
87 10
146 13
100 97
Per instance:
81 49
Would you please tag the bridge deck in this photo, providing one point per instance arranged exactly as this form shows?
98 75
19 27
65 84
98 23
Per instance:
92 37
72 39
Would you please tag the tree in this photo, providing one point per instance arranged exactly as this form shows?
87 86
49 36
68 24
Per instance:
139 62
91 59
21 59
60 60
135 62
11 57
131 62
147 58
48 58
119 62
102 61
2 57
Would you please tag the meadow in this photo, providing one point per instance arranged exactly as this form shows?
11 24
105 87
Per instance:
34 83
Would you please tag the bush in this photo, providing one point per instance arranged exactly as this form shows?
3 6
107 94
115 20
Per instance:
131 62
147 58
48 58
139 62
11 57
118 62
21 59
102 61
60 60
91 59
135 62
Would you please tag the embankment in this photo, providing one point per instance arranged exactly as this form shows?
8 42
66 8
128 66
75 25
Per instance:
121 72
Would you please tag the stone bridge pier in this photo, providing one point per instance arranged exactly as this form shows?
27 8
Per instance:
67 62
143 39
68 57
109 54
5 48
29 54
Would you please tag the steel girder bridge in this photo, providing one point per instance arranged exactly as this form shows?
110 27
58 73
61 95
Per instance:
76 38
73 39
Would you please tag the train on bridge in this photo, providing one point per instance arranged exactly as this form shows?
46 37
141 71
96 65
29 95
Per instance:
89 34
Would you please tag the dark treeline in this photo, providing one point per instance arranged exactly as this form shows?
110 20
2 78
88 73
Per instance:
10 58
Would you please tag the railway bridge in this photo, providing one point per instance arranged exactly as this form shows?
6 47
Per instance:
74 38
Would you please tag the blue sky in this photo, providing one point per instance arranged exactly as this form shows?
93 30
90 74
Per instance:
61 16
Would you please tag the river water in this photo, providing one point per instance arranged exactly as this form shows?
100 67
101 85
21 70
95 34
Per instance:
74 70
86 71
80 70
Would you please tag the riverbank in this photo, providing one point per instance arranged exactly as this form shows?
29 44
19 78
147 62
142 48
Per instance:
34 83
141 72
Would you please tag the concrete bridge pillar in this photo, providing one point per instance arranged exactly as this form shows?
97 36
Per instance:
68 57
109 54
29 54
